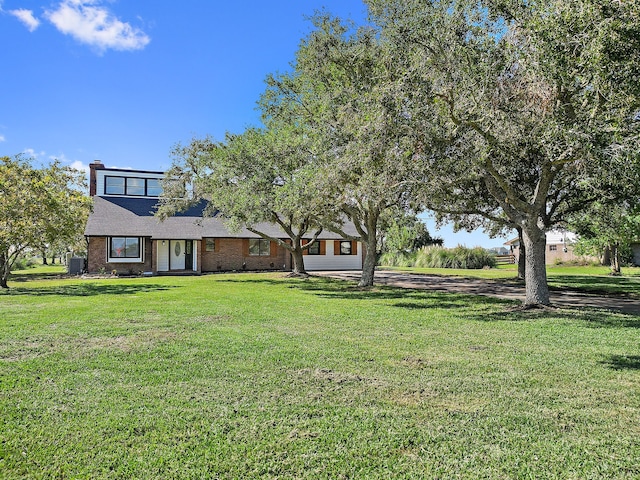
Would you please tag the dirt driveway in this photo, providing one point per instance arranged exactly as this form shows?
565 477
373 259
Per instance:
491 288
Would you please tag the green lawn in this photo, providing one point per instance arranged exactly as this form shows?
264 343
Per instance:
262 376
584 278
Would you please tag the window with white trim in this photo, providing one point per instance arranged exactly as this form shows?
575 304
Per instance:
124 249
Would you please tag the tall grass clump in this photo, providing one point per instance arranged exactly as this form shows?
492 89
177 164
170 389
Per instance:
458 257
397 259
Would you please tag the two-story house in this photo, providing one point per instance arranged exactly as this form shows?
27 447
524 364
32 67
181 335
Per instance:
124 235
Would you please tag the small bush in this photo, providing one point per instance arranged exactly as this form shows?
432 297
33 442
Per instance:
458 257
23 263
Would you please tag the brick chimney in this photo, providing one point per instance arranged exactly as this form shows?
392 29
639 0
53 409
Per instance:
93 182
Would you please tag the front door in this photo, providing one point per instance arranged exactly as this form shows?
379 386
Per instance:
177 254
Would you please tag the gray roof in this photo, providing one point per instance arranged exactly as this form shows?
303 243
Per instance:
134 217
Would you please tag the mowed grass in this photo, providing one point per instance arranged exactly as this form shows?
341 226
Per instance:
263 376
587 279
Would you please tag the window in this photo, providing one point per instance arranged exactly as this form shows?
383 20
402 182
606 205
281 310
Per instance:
135 186
259 247
154 189
125 249
132 186
114 185
345 247
210 245
553 248
314 249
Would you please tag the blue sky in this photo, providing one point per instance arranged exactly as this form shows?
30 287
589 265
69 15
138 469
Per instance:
124 81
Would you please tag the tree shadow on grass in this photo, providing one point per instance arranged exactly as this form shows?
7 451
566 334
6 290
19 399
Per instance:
623 362
592 318
26 277
408 298
326 287
597 284
86 289
477 307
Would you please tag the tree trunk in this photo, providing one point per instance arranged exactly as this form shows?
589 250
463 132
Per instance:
370 260
536 287
615 259
297 260
44 258
522 257
4 271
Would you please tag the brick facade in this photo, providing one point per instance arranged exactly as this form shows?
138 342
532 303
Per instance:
97 259
232 254
229 254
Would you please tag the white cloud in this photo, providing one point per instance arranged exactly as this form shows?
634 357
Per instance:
90 23
2 139
78 165
30 152
26 17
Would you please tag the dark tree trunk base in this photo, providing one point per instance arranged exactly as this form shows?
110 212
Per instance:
297 275
529 307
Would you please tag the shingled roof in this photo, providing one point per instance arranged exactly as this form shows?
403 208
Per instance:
134 217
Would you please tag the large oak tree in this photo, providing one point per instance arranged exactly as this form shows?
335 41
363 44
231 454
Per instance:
258 176
346 88
538 97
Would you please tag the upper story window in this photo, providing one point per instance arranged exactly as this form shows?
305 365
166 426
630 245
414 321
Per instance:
135 186
114 185
132 186
154 189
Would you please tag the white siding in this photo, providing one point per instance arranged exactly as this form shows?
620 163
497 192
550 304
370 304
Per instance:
560 237
334 262
195 255
163 256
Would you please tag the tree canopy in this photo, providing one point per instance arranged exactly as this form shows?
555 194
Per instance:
38 206
346 88
261 175
538 99
492 113
608 229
